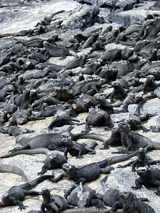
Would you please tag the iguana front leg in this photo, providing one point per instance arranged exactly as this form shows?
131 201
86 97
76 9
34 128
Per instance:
138 184
32 193
67 192
106 170
80 154
60 177
44 169
98 203
83 180
19 203
116 206
43 208
157 182
65 153
87 127
129 144
125 165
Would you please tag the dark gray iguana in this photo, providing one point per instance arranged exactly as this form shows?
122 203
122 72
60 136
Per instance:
52 141
52 203
42 143
82 196
141 161
52 161
16 194
90 172
133 140
148 177
57 51
98 117
14 130
132 204
111 197
86 85
77 149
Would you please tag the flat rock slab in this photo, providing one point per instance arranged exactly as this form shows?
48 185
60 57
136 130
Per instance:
26 17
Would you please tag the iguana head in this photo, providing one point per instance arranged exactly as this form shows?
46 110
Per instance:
87 103
127 197
66 142
115 84
69 169
143 171
6 199
101 113
141 152
53 158
46 195
123 126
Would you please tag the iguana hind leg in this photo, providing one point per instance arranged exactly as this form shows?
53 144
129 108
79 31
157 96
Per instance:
106 170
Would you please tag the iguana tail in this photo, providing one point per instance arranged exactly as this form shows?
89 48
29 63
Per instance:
91 136
137 111
85 210
156 146
54 122
117 159
35 182
13 169
29 152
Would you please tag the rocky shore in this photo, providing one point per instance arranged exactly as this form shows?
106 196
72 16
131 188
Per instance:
103 40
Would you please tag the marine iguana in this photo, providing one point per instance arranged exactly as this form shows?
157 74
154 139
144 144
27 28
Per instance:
85 102
77 149
130 99
90 171
61 118
132 204
149 84
16 194
63 94
135 120
106 73
52 203
104 104
51 141
88 84
142 161
115 138
10 108
152 29
22 116
83 174
14 130
52 161
82 196
111 55
133 140
57 51
4 118
98 117
111 197
148 177
118 91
